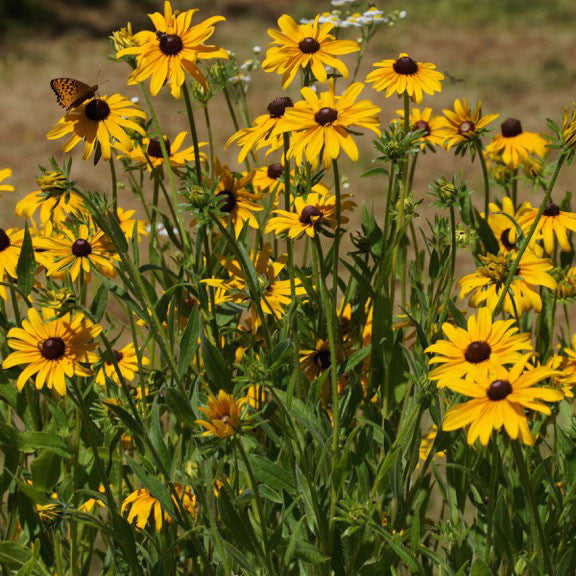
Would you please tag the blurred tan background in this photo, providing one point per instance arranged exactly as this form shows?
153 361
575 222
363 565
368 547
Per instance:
517 56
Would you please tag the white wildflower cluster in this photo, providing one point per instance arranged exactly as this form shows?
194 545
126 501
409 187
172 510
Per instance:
372 16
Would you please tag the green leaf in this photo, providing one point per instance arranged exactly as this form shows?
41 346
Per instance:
486 235
26 267
99 302
480 568
189 341
32 441
219 373
180 406
156 437
46 469
13 555
271 474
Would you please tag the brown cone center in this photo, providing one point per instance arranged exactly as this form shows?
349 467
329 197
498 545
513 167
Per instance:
97 110
322 359
499 389
154 149
477 352
4 240
117 356
326 116
53 348
309 45
405 65
228 200
170 44
551 209
511 127
466 128
308 213
275 171
278 106
505 239
81 248
423 125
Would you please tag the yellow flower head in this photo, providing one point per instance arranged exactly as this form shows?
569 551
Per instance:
320 124
98 121
513 145
5 173
484 345
405 75
461 125
569 127
53 348
173 49
127 362
487 282
314 209
504 222
224 415
123 38
10 247
430 125
304 46
499 399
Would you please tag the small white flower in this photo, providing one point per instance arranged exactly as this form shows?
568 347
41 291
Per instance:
257 49
340 2
402 14
135 99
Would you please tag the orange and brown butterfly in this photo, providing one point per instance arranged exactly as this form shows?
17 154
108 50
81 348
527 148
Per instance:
71 93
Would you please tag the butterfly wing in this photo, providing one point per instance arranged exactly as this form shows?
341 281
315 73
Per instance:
71 93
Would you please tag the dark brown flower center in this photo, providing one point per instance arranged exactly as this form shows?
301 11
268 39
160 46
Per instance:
53 348
4 240
97 110
81 248
307 213
505 239
466 128
405 65
477 352
117 356
278 106
423 125
170 44
275 171
498 390
511 127
551 209
309 45
154 149
322 359
326 116
228 201
345 325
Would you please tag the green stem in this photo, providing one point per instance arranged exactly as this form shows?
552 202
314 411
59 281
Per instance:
337 235
170 172
210 138
538 534
444 311
484 176
527 240
259 507
114 185
194 132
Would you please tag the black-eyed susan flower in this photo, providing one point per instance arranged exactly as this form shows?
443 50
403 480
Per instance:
405 75
552 222
266 130
568 367
460 125
10 247
149 153
499 399
223 415
304 46
53 348
5 173
98 121
485 285
569 127
320 124
315 209
143 506
79 251
55 199
504 222
172 50
484 345
269 179
430 125
127 361
567 283
513 145
128 223
235 200
275 293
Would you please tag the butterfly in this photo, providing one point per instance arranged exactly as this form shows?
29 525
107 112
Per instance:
71 93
